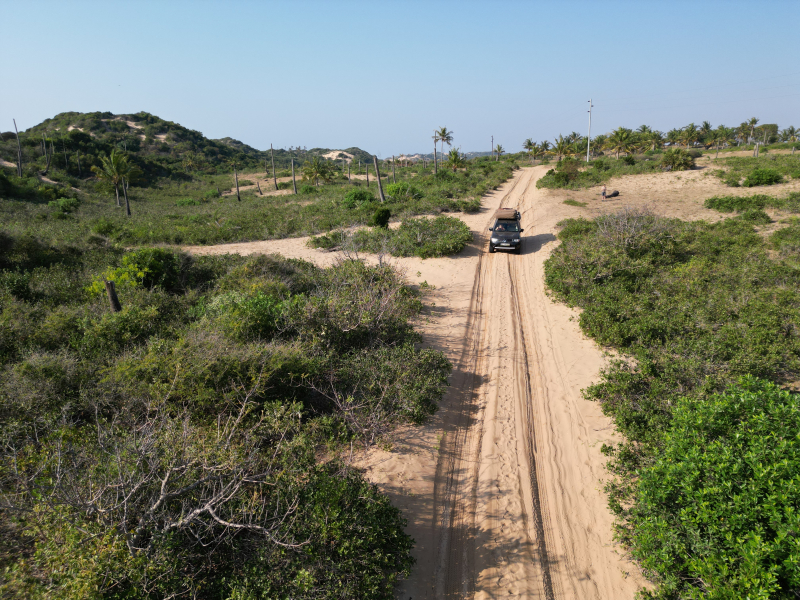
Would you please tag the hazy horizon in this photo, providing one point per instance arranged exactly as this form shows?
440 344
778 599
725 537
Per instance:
344 74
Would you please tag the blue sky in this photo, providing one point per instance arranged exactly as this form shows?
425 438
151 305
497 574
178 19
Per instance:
383 75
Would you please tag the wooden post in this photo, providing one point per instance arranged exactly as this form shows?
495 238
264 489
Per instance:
435 166
46 155
219 194
236 179
64 145
112 296
259 188
19 151
127 203
378 177
294 182
272 154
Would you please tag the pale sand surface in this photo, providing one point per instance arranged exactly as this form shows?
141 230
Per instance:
502 488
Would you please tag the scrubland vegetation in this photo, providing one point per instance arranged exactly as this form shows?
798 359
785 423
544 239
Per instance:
706 484
188 443
196 442
647 150
176 200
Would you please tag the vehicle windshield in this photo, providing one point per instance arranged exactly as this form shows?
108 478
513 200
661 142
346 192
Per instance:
511 226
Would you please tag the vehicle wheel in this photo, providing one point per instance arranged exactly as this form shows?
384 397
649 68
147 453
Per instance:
491 249
518 249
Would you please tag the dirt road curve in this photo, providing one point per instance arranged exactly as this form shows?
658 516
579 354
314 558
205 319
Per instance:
502 489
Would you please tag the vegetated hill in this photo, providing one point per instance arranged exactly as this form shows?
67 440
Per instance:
160 148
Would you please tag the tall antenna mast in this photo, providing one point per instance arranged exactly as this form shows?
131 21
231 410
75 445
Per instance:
589 136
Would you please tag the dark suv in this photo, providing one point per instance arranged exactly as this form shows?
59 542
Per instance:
506 235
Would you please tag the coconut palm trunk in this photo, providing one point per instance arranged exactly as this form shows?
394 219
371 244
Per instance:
127 202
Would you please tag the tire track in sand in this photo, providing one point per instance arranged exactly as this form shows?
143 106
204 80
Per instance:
456 482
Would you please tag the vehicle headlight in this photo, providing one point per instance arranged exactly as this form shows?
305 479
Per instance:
495 240
515 240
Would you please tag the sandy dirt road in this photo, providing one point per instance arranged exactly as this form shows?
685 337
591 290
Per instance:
502 488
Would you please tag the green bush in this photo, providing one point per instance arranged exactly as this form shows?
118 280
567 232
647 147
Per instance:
403 189
65 205
692 307
355 198
380 218
307 189
677 159
762 177
755 216
187 202
147 267
716 514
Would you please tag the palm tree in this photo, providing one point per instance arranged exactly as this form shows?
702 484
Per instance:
644 129
576 148
498 150
673 136
114 169
655 138
316 169
752 123
790 134
544 148
621 140
574 137
529 146
705 129
723 136
444 136
561 146
455 159
689 135
598 142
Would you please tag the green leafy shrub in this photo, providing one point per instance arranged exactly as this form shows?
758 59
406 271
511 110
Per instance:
693 307
762 176
355 198
629 159
307 189
65 205
147 267
738 203
755 216
716 514
380 218
187 202
403 189
104 226
677 159
244 182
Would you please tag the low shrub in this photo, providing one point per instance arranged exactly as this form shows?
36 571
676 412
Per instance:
307 189
187 202
677 159
762 176
355 198
380 218
738 203
403 189
755 216
65 205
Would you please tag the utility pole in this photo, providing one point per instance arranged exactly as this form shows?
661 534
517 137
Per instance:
589 136
492 146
